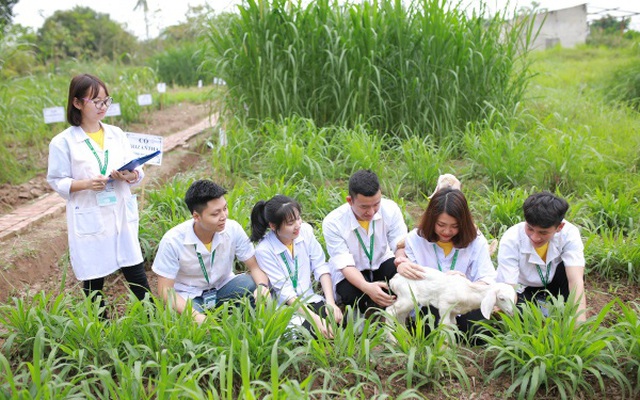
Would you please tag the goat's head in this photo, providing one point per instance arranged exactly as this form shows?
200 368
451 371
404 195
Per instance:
502 296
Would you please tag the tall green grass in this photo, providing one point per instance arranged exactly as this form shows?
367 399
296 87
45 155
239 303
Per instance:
423 66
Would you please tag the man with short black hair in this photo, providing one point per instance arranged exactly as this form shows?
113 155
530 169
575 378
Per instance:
543 253
195 258
361 237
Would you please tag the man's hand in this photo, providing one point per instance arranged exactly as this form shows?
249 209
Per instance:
199 317
261 290
376 292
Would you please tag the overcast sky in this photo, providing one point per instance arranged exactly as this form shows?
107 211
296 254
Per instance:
163 13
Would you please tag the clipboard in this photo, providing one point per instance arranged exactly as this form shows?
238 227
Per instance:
136 162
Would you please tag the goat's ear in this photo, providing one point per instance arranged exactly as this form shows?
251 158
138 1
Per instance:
487 304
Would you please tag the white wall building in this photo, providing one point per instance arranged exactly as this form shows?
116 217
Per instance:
567 27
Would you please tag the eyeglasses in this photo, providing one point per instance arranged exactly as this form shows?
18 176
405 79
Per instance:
99 103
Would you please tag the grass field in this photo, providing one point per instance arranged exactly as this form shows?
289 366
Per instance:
565 134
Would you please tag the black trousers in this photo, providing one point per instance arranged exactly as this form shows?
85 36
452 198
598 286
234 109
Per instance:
559 285
135 276
351 295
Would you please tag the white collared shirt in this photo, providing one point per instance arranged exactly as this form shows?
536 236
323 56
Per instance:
344 247
177 259
474 260
311 258
518 259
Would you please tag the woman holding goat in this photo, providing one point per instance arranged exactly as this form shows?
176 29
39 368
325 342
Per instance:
447 239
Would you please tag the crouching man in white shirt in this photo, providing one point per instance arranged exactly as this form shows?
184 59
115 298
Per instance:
195 258
543 253
361 237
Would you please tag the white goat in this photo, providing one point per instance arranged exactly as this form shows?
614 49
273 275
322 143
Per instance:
450 294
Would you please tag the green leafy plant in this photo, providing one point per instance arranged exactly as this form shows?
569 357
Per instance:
553 354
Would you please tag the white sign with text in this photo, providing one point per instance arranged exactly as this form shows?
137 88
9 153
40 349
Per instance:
145 100
113 111
54 114
143 144
162 87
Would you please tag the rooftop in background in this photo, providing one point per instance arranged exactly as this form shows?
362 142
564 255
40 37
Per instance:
596 9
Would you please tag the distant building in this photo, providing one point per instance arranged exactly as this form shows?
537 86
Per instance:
566 27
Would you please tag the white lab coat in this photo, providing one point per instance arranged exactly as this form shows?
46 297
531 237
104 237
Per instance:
311 259
473 261
343 246
518 261
102 239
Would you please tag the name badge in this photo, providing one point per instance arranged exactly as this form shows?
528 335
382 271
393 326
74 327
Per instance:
209 298
543 305
108 196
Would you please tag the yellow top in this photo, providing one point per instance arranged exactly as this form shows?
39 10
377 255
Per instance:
446 246
364 224
208 246
290 247
542 251
97 137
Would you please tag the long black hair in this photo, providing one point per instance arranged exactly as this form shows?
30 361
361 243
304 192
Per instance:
275 211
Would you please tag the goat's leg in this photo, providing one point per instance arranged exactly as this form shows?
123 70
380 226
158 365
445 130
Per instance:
400 310
447 318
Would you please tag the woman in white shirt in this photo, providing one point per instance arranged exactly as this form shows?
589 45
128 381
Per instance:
288 254
102 214
447 239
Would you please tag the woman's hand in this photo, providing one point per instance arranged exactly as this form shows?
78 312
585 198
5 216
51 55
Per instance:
337 313
98 183
410 270
127 176
325 329
454 272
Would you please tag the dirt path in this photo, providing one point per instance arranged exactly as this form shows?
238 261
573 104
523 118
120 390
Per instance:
31 260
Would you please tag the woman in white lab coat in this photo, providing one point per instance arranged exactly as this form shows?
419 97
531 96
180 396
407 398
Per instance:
290 255
102 214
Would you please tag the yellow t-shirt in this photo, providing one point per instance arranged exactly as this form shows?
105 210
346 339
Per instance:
364 224
446 246
290 247
208 246
542 251
97 137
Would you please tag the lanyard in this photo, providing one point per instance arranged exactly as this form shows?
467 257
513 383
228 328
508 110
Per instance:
294 278
204 270
103 168
369 253
544 281
453 262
